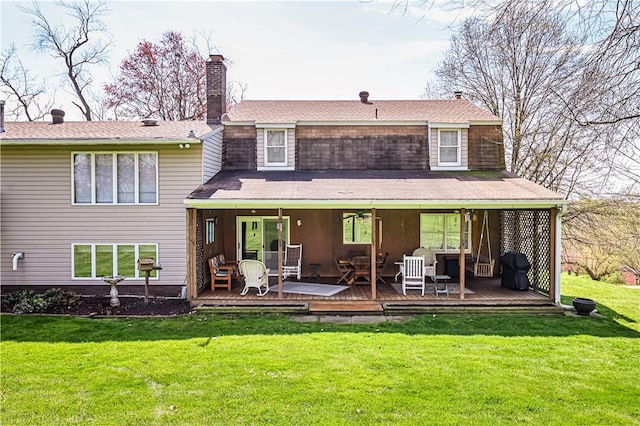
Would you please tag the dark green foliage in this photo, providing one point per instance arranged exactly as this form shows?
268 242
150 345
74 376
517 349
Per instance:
27 301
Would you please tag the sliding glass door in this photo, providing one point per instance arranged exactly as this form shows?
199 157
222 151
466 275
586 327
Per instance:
258 239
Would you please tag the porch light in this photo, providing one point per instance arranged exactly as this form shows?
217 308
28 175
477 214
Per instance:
299 222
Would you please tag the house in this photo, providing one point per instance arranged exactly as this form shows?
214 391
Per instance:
373 176
377 177
83 200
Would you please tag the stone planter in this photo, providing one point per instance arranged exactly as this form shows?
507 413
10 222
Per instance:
584 306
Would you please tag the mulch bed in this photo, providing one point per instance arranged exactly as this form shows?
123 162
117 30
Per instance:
99 306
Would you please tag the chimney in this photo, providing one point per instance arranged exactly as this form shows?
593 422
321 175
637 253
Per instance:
458 94
57 116
216 89
364 97
2 130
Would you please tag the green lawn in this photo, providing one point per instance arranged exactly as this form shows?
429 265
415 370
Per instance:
222 369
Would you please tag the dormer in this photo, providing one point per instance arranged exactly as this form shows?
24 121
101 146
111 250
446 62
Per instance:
275 146
448 146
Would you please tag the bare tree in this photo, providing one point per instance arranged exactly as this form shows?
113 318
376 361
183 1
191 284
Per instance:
26 94
79 46
518 71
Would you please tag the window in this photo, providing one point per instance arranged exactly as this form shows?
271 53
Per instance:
115 178
94 261
356 228
441 232
449 147
275 147
211 230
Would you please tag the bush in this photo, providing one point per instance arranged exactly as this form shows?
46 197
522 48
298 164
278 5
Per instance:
28 302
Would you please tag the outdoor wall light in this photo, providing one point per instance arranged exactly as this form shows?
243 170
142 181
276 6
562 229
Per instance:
184 145
299 222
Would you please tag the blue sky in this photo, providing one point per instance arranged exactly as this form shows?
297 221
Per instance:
281 50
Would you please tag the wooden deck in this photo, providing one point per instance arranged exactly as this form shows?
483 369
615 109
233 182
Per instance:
357 298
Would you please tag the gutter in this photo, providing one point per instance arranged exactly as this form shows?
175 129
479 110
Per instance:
378 204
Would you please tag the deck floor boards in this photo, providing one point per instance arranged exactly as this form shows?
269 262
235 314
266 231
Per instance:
485 291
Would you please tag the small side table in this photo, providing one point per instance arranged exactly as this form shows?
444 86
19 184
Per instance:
440 282
315 274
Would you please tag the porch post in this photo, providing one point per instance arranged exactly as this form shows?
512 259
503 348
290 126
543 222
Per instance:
374 251
192 287
279 253
463 243
553 275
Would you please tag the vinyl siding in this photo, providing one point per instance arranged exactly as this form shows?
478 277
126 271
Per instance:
37 216
212 156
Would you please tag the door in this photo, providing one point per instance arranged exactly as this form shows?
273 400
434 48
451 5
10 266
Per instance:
258 239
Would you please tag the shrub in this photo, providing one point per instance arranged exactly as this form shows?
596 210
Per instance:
27 301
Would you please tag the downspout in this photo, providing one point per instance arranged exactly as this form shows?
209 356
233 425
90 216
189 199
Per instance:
558 262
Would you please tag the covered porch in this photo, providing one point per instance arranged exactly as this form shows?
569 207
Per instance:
399 209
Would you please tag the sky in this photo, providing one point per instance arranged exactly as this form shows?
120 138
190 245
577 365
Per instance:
281 50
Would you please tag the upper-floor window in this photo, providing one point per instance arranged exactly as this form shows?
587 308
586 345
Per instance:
441 232
275 147
449 148
115 178
94 261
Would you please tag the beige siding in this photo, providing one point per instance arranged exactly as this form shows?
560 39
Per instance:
212 156
433 148
37 216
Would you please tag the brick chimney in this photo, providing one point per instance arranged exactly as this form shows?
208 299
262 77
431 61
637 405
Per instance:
216 89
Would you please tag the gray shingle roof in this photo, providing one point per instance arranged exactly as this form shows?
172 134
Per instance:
102 130
381 188
446 111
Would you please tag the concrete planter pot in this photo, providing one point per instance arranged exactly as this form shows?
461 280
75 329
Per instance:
584 306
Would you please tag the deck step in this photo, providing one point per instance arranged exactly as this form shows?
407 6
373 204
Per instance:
237 308
345 307
414 308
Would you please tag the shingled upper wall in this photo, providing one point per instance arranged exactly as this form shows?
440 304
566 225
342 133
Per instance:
239 148
486 148
361 148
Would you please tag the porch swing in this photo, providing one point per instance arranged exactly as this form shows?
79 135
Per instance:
483 267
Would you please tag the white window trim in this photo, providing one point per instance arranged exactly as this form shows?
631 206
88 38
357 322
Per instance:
445 250
458 162
138 274
136 178
272 165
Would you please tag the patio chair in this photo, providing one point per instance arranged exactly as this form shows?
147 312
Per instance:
292 261
380 265
361 268
430 260
220 278
413 276
256 275
345 268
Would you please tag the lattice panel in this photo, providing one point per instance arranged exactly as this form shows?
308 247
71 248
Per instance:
200 279
529 232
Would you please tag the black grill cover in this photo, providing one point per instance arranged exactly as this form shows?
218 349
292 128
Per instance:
515 266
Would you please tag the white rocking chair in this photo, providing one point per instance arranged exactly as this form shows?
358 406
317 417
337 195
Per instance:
256 275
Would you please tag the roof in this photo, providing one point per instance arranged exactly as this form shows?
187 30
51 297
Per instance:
371 188
111 131
439 111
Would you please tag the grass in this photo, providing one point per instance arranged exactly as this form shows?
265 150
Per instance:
267 369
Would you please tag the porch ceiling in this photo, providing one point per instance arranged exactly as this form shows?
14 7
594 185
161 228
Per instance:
371 189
